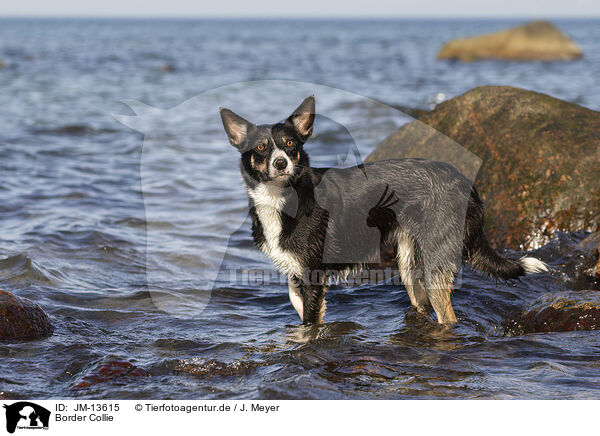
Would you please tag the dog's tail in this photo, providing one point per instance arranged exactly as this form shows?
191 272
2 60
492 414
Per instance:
480 254
487 260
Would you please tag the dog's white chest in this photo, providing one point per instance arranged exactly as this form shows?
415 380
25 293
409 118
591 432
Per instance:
269 202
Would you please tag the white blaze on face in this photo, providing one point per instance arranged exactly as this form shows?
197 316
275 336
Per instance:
274 172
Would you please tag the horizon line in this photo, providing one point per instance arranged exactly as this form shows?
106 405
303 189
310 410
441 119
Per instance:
305 17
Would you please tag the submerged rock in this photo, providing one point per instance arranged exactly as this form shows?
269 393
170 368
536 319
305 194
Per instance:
111 370
20 319
537 40
562 312
201 367
540 159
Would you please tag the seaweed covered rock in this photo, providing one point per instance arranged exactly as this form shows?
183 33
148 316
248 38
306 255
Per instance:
537 40
20 319
539 159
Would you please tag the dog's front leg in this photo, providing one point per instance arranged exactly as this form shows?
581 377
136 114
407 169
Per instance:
313 301
295 292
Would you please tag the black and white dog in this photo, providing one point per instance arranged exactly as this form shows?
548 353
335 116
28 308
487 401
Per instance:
315 222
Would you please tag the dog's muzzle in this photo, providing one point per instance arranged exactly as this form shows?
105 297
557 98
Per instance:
280 165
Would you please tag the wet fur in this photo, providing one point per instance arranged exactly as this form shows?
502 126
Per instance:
419 211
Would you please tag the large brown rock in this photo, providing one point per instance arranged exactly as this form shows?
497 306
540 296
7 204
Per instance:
540 159
21 319
538 40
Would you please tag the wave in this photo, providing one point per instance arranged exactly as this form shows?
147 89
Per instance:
20 268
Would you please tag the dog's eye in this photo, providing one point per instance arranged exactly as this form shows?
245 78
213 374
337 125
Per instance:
261 147
290 143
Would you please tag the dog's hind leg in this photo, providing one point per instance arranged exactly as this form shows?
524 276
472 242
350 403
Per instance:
313 300
410 269
439 289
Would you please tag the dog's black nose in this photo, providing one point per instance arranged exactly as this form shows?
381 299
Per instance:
280 163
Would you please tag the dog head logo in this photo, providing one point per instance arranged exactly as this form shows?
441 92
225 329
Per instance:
26 415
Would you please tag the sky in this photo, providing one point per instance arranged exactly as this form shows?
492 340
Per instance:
304 8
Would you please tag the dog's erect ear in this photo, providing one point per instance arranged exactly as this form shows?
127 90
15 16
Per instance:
236 127
303 117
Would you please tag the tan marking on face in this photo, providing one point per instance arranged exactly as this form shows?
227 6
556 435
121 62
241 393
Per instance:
261 167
